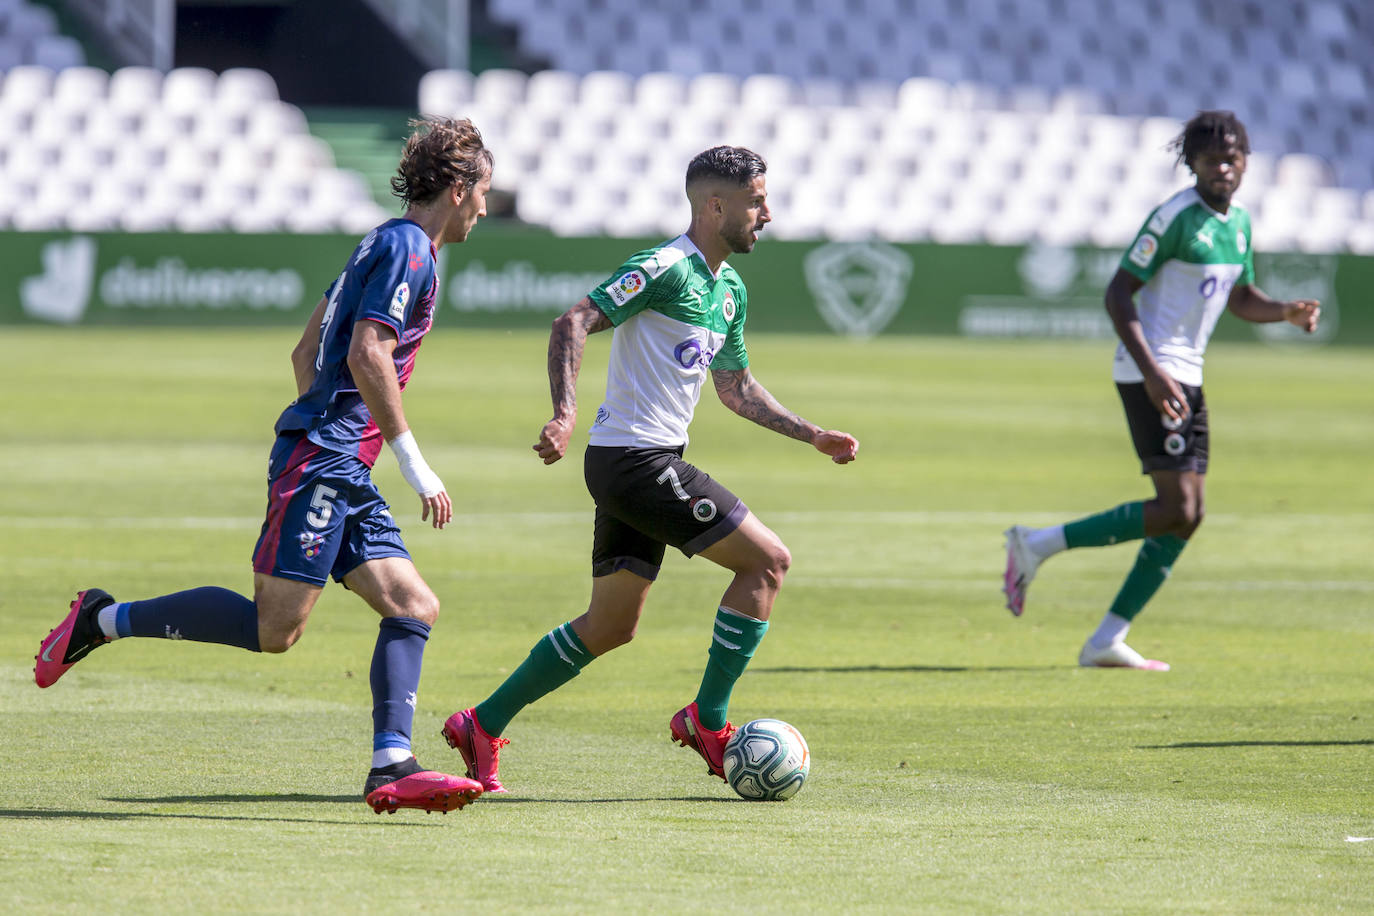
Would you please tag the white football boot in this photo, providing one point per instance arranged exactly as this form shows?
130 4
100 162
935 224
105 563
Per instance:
1117 655
1022 562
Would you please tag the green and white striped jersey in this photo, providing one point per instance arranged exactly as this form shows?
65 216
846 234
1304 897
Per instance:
1189 257
674 320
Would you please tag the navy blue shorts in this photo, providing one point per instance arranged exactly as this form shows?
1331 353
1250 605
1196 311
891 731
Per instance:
1161 444
647 498
324 515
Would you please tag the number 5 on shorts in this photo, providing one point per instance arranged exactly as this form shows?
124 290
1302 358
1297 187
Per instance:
319 501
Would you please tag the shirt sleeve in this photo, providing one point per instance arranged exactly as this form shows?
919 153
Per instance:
1154 244
393 279
1247 271
633 288
733 354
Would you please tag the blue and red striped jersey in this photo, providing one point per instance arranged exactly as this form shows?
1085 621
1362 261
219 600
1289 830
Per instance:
390 279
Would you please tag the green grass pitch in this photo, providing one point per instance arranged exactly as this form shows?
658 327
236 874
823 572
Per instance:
961 762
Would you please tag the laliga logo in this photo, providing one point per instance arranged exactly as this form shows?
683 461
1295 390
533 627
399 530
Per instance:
690 354
859 287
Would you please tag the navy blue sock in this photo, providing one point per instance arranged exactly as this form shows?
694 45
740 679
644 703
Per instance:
395 679
206 614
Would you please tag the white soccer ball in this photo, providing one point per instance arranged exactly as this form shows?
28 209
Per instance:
766 760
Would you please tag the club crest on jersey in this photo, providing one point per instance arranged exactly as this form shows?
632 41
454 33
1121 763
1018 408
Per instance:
1241 244
399 299
1143 251
728 308
627 287
703 509
311 544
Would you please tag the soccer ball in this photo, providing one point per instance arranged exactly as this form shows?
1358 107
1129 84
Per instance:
766 760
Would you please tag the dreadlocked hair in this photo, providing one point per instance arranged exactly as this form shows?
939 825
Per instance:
1209 130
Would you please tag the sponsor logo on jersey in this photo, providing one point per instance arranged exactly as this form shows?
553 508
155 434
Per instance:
729 307
627 287
1241 244
1204 237
1157 223
399 299
690 354
414 262
1143 251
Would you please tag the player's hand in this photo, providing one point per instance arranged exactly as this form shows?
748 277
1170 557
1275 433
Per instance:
1304 313
553 439
841 447
439 506
1167 397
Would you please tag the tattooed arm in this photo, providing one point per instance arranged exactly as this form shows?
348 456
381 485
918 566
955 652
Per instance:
741 392
566 344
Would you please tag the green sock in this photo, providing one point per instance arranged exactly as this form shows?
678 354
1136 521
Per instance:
1124 523
554 660
1152 566
732 645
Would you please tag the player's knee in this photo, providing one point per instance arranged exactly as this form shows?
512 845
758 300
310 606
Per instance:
279 626
424 607
1191 518
779 561
276 640
621 635
1183 517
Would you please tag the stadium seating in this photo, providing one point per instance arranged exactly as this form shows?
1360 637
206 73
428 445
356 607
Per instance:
925 160
1300 72
189 150
950 120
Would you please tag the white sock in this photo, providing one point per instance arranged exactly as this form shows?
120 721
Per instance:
386 756
1111 629
1046 542
106 617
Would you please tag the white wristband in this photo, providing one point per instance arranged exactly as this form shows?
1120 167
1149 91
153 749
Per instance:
413 466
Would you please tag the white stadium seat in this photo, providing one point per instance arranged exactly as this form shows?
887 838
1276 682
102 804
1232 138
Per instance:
445 92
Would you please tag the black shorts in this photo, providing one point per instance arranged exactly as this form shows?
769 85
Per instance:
1161 448
647 498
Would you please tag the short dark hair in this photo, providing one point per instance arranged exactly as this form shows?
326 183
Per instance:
1209 130
734 164
440 153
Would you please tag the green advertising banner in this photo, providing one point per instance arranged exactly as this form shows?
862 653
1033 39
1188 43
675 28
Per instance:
510 277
